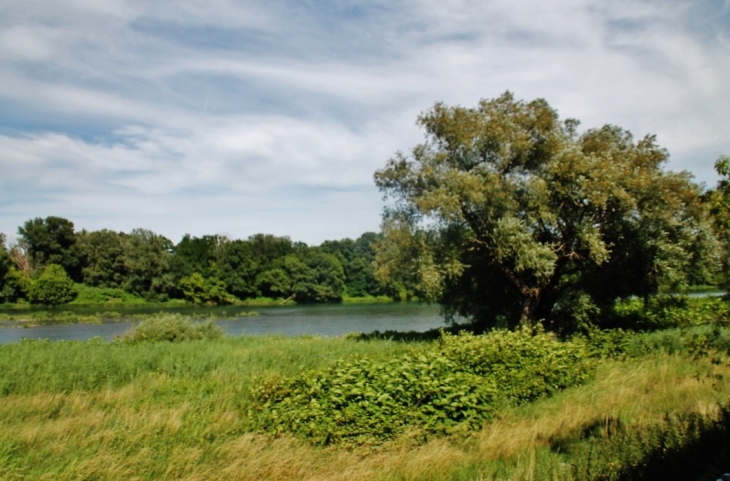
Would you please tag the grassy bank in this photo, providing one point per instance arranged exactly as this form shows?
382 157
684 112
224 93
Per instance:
93 315
88 309
120 411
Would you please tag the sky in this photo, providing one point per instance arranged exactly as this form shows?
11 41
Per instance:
237 118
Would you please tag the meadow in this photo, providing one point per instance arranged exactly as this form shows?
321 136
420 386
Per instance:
655 406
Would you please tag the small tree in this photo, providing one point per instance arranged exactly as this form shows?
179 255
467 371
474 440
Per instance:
52 288
204 292
16 286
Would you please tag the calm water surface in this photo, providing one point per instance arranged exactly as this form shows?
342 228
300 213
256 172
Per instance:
329 320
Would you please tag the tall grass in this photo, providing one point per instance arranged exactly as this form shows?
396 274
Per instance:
118 411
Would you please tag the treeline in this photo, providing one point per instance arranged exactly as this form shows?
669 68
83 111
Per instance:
50 256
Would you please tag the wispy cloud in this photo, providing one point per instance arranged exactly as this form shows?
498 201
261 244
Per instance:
222 116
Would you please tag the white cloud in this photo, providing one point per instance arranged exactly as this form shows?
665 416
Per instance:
223 116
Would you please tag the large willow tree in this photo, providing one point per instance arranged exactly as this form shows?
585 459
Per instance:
508 215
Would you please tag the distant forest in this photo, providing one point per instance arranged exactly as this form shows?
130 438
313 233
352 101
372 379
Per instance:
207 270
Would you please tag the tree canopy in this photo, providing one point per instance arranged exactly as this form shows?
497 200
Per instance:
211 269
506 214
51 241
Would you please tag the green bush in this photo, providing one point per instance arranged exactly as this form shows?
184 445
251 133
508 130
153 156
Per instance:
662 312
698 341
101 295
16 287
204 292
172 328
447 387
524 364
52 288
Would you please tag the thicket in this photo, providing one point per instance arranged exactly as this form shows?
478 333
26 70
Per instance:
668 311
453 385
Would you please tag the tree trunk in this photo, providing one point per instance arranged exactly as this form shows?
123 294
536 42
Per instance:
529 306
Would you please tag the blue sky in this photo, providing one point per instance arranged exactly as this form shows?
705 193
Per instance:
223 117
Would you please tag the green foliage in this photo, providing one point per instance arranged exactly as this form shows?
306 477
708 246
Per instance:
147 265
103 254
718 200
307 276
5 262
267 248
16 286
448 387
51 241
357 258
316 277
197 254
661 312
147 258
273 283
525 365
171 328
674 447
702 341
204 292
507 215
102 295
52 288
236 267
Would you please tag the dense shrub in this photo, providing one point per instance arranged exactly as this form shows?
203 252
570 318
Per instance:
662 312
525 365
101 295
53 287
698 341
172 328
204 292
451 386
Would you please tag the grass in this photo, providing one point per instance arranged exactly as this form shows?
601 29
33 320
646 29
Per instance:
90 315
144 411
367 300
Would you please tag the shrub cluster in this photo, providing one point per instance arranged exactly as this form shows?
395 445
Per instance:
698 341
102 295
172 328
448 387
662 312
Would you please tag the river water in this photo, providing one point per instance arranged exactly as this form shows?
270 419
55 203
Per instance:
322 320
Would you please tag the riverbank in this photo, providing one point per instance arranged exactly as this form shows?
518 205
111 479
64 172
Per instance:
119 411
25 315
62 317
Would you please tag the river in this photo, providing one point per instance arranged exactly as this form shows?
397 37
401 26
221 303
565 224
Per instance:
322 320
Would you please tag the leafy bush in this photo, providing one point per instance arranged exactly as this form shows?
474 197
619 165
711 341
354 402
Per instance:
699 341
172 328
16 286
204 292
448 387
101 295
662 312
524 364
52 288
